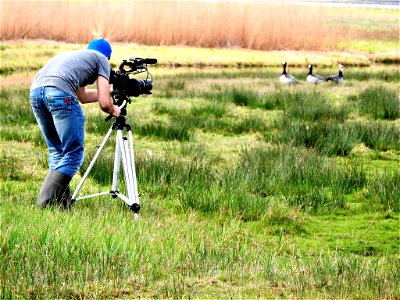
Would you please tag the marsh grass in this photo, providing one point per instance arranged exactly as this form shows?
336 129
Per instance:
339 139
378 135
172 88
303 178
328 138
16 108
119 264
298 104
175 129
361 75
216 109
237 95
96 123
102 171
210 118
178 130
22 134
9 166
380 103
315 107
384 192
289 215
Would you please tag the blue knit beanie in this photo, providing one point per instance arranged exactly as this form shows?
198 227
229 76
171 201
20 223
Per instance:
102 46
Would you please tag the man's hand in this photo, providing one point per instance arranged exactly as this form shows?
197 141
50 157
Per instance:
116 111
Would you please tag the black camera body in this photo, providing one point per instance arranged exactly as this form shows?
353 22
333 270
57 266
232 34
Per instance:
124 86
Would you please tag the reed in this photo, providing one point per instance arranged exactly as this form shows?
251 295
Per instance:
260 26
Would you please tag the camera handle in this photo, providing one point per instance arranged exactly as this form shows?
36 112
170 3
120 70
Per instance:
110 115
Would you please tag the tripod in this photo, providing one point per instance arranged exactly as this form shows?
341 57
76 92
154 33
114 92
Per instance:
123 152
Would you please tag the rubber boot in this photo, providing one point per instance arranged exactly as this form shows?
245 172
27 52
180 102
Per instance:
66 202
55 190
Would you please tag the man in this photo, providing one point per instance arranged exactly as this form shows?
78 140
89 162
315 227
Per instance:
54 96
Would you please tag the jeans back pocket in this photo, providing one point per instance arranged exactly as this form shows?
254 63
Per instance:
59 106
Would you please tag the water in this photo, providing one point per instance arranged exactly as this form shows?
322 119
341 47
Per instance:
360 3
393 4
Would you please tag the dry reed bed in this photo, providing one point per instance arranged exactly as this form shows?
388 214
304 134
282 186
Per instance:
204 24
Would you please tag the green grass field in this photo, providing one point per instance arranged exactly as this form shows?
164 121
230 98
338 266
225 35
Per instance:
254 189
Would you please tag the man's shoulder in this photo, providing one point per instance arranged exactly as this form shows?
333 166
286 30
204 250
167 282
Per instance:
89 54
93 53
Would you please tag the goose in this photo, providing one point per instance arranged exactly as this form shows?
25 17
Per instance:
285 77
314 78
339 78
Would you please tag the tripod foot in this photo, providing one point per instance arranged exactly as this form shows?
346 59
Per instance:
114 194
135 208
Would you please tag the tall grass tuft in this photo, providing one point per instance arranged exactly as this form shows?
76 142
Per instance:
314 107
167 131
378 135
236 95
172 88
302 177
302 104
380 103
248 124
329 138
383 192
217 110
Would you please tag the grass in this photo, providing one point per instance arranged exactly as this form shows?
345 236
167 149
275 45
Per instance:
380 103
334 139
22 56
252 190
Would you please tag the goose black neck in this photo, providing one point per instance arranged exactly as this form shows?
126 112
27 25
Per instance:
284 69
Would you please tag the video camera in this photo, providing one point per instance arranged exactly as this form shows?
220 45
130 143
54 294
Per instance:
124 86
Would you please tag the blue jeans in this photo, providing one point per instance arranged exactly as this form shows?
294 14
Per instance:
61 120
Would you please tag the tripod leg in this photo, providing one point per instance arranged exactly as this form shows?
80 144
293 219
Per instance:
130 177
132 155
128 173
125 164
103 143
117 166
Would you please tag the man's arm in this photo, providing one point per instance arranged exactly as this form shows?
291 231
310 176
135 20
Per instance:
102 95
87 95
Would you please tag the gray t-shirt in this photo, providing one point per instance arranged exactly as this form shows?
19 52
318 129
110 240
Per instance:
71 70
